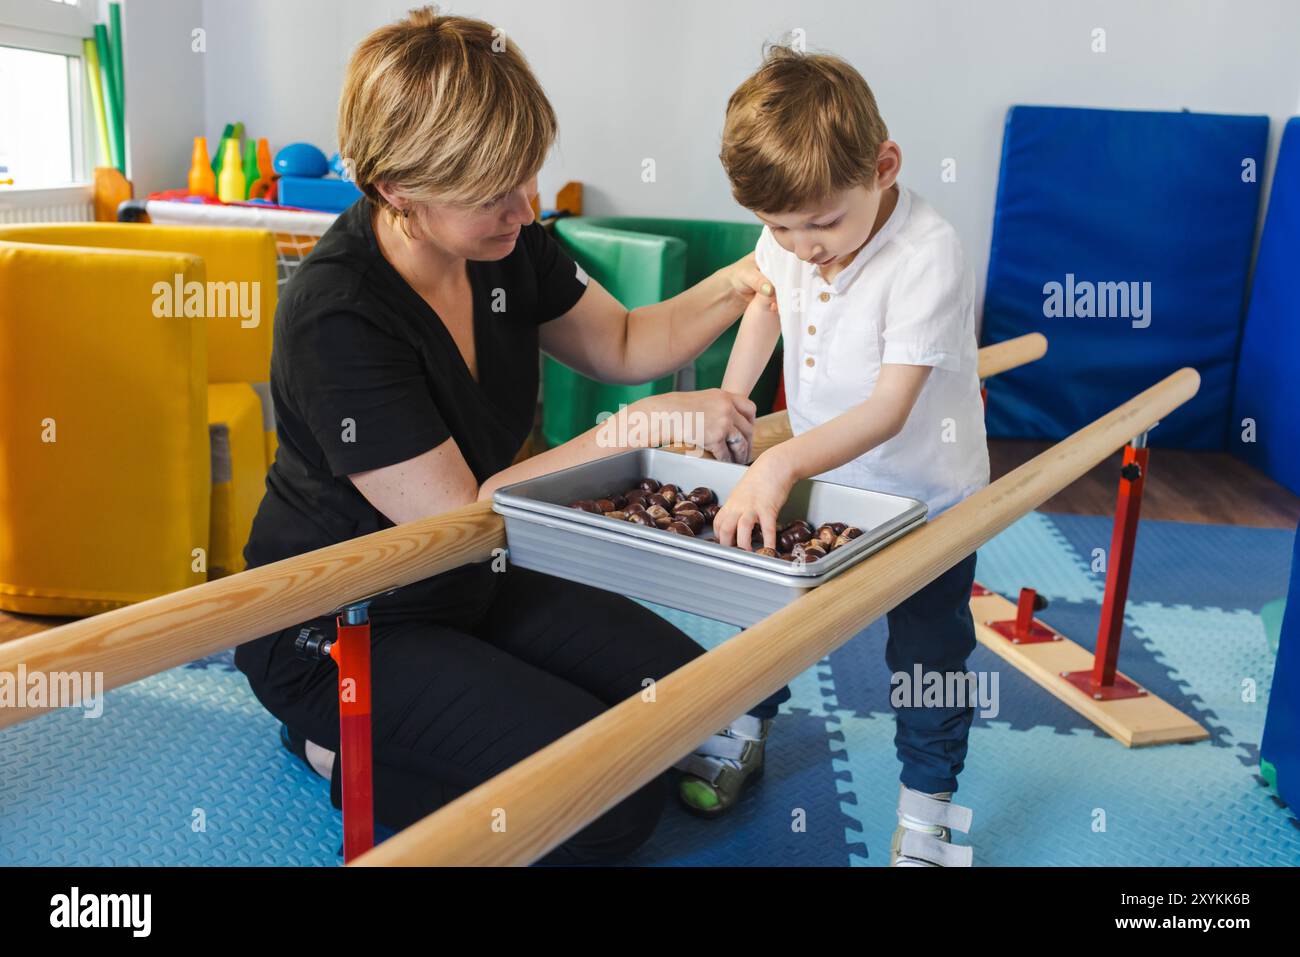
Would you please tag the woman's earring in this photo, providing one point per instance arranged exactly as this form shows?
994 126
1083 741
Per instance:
406 214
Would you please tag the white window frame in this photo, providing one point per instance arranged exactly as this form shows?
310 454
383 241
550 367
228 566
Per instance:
47 27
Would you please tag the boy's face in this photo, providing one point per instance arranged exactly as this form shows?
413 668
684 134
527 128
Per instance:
831 230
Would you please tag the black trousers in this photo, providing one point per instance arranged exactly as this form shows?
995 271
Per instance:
457 702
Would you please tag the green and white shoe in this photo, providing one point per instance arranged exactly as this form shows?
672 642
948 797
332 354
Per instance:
923 837
716 773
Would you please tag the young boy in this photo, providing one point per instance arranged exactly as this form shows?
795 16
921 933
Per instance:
877 317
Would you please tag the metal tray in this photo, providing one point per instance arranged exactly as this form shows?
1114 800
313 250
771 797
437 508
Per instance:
693 574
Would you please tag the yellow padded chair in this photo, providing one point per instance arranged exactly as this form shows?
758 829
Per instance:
149 451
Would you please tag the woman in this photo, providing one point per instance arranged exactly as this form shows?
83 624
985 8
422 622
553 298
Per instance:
404 376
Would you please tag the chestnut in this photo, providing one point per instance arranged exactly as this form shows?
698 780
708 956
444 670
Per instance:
769 552
827 535
793 535
636 495
670 492
837 527
620 502
846 536
658 499
702 496
620 516
808 551
641 518
605 505
691 518
648 485
681 528
586 505
685 505
711 511
633 507
659 515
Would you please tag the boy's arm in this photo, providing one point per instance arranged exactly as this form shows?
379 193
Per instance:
760 327
759 496
855 432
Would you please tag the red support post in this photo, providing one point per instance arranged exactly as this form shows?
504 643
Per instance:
351 652
1102 682
1024 629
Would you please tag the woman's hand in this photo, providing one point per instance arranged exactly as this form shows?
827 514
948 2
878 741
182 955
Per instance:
747 282
755 501
721 423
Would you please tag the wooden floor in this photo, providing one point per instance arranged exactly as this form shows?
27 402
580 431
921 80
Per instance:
1210 487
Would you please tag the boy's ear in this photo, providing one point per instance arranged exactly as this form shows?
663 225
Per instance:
889 162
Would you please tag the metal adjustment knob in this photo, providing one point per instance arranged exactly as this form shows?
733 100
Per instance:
312 644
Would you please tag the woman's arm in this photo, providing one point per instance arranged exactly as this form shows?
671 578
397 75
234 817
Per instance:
440 479
604 341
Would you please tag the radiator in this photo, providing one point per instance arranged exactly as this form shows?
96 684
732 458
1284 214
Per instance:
70 205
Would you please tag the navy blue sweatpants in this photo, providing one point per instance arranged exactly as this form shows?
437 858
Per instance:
933 628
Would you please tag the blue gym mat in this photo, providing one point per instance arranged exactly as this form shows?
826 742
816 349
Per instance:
185 768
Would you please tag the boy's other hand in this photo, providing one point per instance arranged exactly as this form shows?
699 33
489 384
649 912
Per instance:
754 503
747 282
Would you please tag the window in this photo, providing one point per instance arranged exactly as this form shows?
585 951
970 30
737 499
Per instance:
46 132
36 142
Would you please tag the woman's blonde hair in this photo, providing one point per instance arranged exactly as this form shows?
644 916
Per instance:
803 127
442 109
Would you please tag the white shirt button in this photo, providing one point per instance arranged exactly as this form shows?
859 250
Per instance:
812 330
825 297
809 361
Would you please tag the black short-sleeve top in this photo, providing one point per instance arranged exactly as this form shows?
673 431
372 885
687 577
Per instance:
364 374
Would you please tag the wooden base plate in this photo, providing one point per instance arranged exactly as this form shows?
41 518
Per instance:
1134 722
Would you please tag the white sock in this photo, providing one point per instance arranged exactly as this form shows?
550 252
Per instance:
321 759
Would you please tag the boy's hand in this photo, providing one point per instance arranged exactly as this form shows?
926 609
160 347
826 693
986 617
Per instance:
747 282
754 502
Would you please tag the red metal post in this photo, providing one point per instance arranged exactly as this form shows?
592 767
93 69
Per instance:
1025 629
1102 682
1132 478
351 652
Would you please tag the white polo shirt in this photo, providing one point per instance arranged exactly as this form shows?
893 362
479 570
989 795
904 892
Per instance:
908 298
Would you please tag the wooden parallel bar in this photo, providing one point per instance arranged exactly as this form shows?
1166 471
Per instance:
555 792
131 643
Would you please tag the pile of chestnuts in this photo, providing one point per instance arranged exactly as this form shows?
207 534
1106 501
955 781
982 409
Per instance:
667 507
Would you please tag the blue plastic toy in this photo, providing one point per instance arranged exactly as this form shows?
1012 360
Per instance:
301 159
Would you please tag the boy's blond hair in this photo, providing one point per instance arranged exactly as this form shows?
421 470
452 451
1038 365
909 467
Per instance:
802 128
443 109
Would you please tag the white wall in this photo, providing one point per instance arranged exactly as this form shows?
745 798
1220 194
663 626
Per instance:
632 80
164 90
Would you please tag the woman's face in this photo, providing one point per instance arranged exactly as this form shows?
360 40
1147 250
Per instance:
484 232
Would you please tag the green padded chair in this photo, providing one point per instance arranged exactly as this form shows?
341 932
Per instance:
643 261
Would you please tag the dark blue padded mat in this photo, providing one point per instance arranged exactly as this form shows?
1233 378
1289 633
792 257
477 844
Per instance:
1270 345
1122 196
